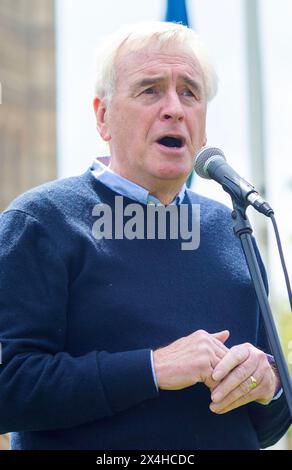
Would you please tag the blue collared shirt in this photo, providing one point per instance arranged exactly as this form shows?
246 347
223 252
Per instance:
128 188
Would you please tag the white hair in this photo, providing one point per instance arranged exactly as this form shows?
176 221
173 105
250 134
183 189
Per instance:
137 36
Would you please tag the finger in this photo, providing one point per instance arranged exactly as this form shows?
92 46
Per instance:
220 345
235 380
220 353
222 401
233 358
219 408
217 356
219 338
222 336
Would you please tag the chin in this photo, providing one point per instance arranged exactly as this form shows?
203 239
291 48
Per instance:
174 172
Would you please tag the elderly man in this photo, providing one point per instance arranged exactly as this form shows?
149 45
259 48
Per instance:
115 337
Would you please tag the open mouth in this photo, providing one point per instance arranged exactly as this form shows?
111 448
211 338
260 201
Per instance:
169 141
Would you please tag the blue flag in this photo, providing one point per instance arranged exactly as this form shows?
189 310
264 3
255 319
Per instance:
177 12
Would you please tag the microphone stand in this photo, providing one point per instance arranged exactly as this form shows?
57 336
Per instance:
243 230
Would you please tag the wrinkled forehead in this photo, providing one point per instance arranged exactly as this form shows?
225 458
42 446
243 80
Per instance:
158 57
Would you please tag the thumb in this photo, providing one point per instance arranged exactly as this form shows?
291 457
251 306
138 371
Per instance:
222 335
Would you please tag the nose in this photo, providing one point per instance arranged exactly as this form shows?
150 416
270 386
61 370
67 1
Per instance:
172 107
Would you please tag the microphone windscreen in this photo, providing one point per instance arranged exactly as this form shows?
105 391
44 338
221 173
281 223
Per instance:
204 157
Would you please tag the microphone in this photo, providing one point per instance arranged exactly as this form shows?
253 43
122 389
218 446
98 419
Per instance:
210 163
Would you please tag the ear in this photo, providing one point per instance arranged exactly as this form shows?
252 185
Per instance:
100 109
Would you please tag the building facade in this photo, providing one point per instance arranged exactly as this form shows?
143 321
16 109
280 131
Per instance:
27 100
28 85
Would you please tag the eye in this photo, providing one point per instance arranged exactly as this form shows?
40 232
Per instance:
150 91
188 93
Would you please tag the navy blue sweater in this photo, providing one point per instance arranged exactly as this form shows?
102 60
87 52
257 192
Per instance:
78 318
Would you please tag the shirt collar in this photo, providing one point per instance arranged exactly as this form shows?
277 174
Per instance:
126 187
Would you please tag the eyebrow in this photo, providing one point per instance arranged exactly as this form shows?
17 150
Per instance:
193 84
148 81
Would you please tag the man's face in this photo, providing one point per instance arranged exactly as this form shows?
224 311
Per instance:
155 123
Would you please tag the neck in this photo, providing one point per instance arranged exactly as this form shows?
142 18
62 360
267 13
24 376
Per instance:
165 197
164 190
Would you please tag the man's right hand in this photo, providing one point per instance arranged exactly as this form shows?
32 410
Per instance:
189 360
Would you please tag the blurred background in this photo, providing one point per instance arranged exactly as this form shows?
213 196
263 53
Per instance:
47 125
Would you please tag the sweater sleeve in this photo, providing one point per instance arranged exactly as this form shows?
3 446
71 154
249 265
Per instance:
42 386
273 420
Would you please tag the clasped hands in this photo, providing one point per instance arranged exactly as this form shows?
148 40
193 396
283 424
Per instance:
235 376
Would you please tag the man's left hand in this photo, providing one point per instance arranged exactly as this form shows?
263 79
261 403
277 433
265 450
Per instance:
243 375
